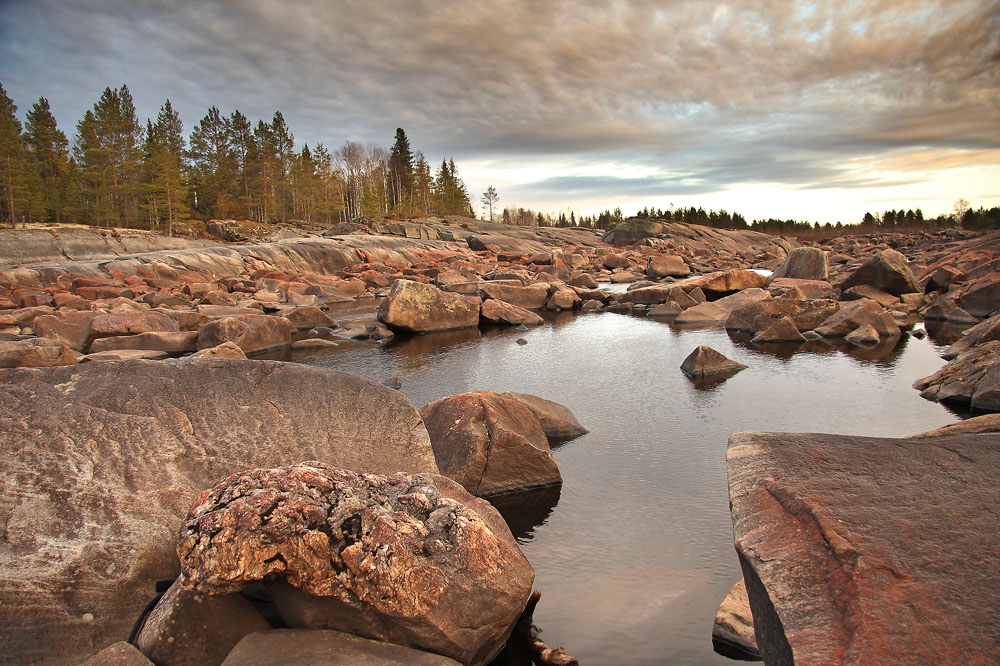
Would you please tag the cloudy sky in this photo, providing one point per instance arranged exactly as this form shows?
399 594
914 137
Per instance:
772 108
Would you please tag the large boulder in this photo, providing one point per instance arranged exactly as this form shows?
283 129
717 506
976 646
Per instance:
558 423
35 353
863 550
500 313
803 263
409 559
854 314
984 331
722 283
103 459
253 333
887 271
970 379
490 444
982 297
78 328
703 313
281 647
532 297
415 307
667 265
758 316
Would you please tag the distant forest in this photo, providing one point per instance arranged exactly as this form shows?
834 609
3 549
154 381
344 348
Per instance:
118 171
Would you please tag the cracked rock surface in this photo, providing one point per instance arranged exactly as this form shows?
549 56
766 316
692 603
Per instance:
409 559
863 550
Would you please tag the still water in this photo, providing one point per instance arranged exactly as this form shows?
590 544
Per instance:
634 553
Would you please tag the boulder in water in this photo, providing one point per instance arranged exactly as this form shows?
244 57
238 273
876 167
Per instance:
415 307
490 444
557 421
706 362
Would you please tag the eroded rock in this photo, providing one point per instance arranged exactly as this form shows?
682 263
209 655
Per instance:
409 559
706 362
415 307
557 421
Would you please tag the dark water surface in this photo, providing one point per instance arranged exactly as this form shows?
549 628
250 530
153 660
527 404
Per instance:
634 553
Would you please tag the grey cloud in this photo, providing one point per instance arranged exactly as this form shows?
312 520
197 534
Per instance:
748 91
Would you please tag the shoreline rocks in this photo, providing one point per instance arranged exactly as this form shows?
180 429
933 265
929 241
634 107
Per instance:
408 559
861 550
104 459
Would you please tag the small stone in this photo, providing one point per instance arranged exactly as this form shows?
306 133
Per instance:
706 362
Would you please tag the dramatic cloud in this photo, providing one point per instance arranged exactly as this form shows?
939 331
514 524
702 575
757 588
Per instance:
708 95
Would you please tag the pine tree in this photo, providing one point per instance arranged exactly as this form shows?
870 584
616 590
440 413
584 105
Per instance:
165 166
490 198
49 157
422 184
241 139
212 164
90 159
12 158
284 145
400 170
119 136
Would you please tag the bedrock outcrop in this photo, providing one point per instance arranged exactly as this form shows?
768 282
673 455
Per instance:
409 559
102 460
862 550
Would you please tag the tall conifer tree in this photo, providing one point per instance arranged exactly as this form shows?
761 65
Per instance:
11 158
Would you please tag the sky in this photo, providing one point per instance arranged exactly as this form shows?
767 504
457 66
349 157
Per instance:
815 111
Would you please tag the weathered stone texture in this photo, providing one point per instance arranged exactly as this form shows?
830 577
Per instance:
101 461
862 550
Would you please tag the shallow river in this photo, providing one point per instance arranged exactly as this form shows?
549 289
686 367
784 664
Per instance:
634 553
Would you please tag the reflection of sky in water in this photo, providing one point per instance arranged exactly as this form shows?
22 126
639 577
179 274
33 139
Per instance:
637 553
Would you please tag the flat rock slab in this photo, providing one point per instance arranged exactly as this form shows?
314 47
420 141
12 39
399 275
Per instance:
863 550
101 461
282 647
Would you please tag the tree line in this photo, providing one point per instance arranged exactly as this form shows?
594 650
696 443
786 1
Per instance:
117 171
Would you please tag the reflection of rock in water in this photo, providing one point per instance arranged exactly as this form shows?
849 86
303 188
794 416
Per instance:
943 332
527 510
416 351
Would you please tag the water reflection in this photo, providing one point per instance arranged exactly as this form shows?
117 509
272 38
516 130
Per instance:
944 333
526 511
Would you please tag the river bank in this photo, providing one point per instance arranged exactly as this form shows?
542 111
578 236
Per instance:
859 299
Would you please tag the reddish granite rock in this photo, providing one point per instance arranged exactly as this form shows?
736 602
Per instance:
783 330
853 314
613 261
557 421
415 307
493 311
732 632
35 353
722 283
862 550
409 559
811 289
488 443
804 263
887 271
309 647
706 362
867 291
105 457
253 333
225 350
308 316
187 628
976 424
982 297
667 265
972 378
563 299
533 297
173 342
703 313
984 331
119 654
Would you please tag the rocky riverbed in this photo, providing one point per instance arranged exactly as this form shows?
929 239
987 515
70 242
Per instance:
108 457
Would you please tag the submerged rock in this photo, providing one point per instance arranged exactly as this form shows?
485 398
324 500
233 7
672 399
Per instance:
863 550
409 559
706 362
489 443
105 457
